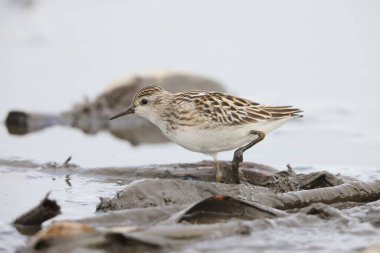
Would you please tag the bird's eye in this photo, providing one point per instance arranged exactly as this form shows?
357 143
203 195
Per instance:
144 101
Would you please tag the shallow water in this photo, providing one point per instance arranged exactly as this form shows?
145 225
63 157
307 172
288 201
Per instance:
350 231
22 188
56 52
77 196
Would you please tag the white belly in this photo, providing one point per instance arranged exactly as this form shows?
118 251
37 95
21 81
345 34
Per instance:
212 141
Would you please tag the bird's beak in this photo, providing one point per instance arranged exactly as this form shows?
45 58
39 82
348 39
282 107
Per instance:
130 110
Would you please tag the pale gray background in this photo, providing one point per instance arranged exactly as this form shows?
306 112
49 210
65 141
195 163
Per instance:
321 56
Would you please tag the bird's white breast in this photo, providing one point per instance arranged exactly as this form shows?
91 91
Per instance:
210 141
223 138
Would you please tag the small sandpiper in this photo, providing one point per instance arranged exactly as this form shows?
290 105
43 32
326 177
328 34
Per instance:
209 122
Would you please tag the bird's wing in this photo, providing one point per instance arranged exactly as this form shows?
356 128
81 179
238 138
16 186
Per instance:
223 109
280 112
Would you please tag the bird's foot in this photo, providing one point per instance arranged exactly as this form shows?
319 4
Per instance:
219 176
238 158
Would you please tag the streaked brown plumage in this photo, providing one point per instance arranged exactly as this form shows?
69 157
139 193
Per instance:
209 122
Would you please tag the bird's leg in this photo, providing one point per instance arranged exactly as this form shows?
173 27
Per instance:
238 154
218 172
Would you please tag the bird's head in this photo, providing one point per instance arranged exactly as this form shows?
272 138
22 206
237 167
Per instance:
146 103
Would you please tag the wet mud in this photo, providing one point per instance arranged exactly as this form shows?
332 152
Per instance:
178 207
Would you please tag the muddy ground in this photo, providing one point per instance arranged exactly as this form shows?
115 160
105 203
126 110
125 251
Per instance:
179 208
